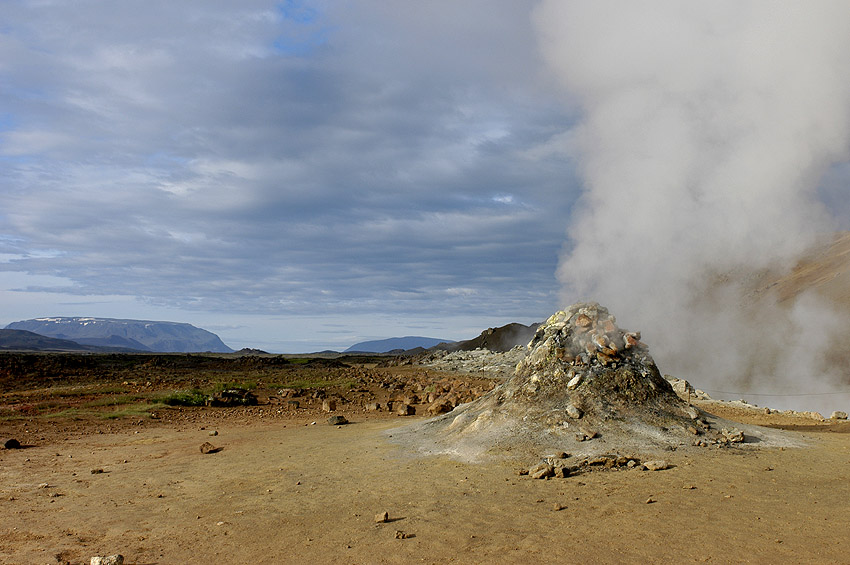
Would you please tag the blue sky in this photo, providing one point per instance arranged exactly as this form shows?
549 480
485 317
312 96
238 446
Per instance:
293 176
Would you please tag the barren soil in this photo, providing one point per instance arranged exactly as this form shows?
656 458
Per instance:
283 490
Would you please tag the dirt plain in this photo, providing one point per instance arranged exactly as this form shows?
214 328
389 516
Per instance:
96 477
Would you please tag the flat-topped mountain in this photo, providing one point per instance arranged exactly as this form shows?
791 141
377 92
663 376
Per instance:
393 343
142 335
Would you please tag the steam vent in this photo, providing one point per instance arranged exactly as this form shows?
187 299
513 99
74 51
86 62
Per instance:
585 386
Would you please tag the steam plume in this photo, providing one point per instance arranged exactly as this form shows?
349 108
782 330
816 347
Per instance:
706 128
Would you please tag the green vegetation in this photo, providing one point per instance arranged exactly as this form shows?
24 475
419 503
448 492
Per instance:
133 411
246 385
113 400
192 397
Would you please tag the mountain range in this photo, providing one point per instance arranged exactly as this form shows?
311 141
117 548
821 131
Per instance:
395 343
110 334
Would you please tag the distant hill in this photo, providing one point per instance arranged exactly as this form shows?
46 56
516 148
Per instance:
394 343
502 338
165 337
22 340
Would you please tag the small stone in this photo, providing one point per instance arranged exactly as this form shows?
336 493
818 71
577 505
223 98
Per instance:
838 415
402 535
328 405
656 465
542 471
557 507
650 500
373 406
574 382
381 518
207 447
337 420
213 433
403 409
96 471
116 559
292 404
573 412
12 443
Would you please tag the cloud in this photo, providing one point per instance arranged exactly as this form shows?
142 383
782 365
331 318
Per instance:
291 158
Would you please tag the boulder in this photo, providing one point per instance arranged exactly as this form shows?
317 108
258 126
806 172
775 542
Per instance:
232 397
12 443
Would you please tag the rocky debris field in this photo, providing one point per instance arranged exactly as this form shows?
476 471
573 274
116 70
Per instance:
490 364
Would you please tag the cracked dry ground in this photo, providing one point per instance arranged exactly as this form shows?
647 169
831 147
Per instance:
282 490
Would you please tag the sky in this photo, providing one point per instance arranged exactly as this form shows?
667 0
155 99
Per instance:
293 176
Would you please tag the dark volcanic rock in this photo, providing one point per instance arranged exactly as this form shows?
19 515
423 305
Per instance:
233 397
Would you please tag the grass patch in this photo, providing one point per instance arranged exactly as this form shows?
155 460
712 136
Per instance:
192 397
74 391
246 385
69 413
112 401
133 411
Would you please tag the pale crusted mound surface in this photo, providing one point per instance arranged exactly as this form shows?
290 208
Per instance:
585 386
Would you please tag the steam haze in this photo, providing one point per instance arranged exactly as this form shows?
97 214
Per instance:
706 130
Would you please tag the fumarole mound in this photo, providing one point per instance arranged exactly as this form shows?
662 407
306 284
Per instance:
585 386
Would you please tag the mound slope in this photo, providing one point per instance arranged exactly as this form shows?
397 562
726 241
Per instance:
585 386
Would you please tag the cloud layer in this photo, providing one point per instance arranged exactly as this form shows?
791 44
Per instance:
283 159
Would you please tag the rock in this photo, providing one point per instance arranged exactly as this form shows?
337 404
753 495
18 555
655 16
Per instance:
292 404
403 535
328 405
732 436
573 412
656 465
542 471
96 471
116 559
12 443
233 397
440 406
574 382
207 447
403 409
838 415
373 406
337 420
382 517
213 433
